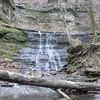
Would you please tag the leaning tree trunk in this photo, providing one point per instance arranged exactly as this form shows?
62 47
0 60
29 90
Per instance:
93 23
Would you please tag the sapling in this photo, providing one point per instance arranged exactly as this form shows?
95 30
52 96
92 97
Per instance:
90 11
63 13
93 22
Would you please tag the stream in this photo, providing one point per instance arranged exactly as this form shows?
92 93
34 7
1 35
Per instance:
45 53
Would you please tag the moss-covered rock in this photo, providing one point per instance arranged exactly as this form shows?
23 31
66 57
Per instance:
15 37
9 30
11 41
12 35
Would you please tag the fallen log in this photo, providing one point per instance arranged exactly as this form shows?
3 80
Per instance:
47 82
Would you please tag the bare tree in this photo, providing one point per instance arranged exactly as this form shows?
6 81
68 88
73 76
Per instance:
63 11
90 10
93 22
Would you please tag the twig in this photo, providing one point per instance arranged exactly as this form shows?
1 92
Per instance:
63 94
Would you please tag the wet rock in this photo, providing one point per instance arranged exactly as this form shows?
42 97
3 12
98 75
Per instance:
29 54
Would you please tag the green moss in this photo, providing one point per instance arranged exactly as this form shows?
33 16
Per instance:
9 49
4 30
13 35
7 55
9 30
11 42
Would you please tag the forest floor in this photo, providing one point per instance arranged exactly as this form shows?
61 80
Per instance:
82 58
8 65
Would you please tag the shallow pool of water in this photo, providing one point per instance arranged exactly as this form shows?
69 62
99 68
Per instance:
48 97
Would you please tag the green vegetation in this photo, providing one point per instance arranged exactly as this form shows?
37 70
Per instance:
13 35
9 30
18 37
11 41
7 55
9 49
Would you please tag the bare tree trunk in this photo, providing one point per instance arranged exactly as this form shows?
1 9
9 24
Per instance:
93 23
46 82
63 94
63 13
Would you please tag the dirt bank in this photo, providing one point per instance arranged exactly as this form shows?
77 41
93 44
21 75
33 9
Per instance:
82 57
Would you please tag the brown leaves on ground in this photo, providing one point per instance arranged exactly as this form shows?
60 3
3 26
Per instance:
6 64
82 57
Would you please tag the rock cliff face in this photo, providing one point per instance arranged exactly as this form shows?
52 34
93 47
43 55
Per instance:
43 14
46 14
7 8
83 19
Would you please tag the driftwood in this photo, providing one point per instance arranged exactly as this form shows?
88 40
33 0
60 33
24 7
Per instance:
46 82
63 94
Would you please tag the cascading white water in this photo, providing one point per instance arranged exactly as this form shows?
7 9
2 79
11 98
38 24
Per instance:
42 56
47 58
54 58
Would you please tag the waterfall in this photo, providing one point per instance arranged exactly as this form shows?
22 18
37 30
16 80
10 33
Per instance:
54 58
47 58
41 53
42 56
